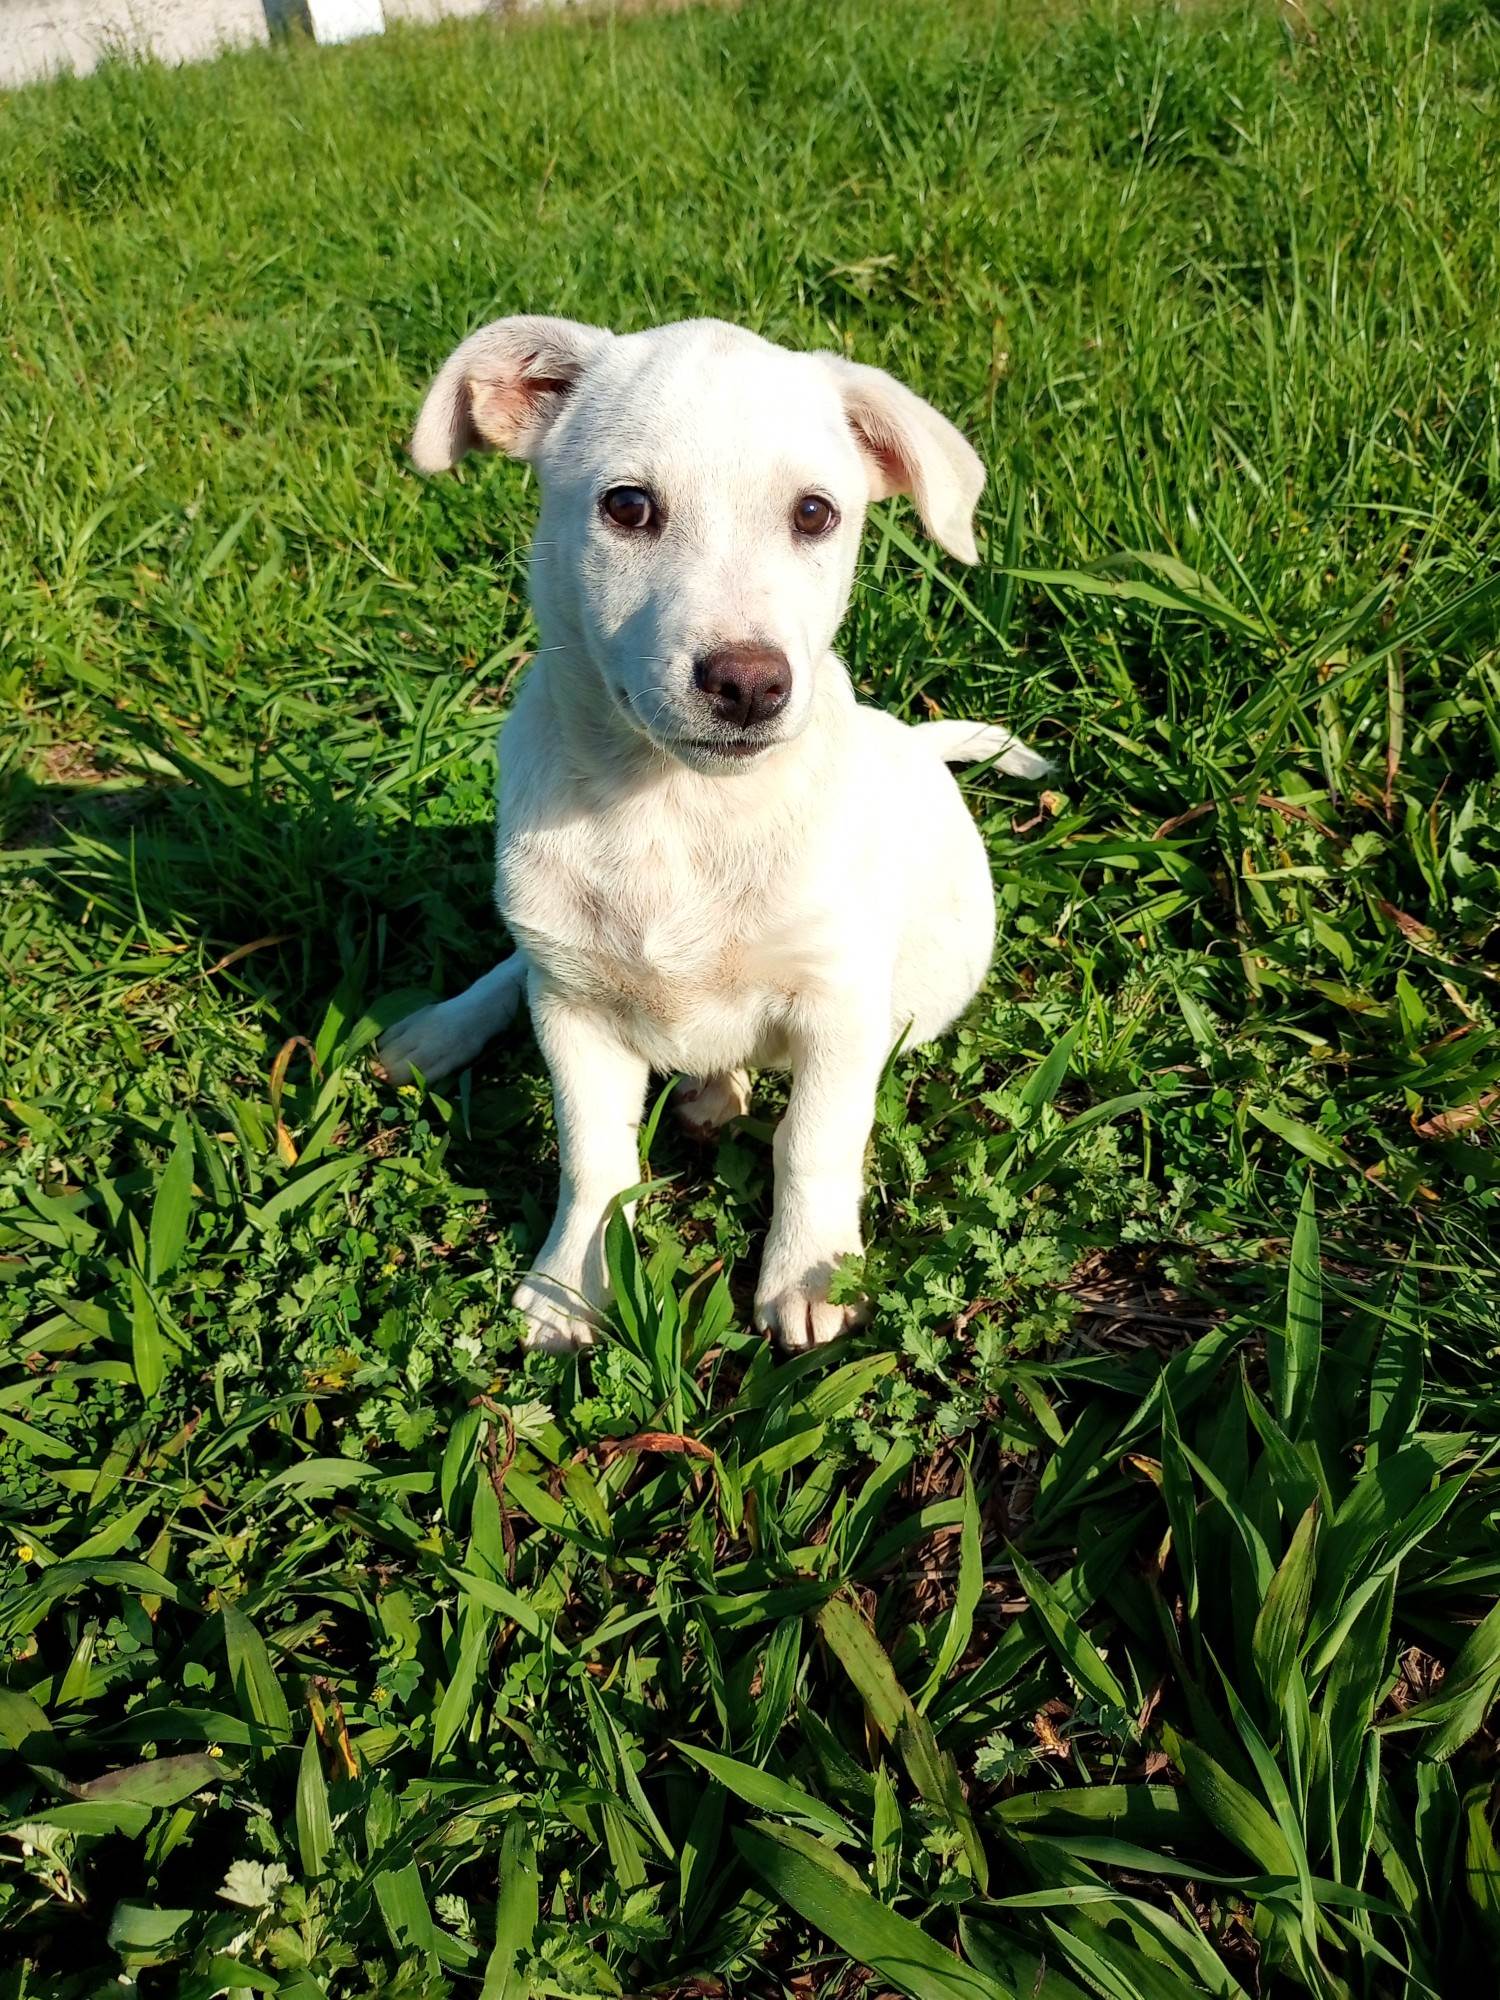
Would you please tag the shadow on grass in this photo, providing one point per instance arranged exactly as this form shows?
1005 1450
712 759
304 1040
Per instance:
191 857
295 898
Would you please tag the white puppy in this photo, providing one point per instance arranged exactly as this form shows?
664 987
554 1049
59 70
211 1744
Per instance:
709 855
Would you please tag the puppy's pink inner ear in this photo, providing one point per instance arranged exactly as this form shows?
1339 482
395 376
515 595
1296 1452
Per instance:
504 408
888 471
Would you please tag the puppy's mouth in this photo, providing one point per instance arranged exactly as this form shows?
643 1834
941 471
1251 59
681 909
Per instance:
700 752
735 750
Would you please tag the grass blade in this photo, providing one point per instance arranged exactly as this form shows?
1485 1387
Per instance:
899 1950
768 1794
516 1915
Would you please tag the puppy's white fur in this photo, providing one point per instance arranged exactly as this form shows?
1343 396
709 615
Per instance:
681 904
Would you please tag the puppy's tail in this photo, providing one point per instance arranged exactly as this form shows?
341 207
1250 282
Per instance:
982 743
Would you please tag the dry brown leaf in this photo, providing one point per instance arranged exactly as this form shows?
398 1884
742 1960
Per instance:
1458 1118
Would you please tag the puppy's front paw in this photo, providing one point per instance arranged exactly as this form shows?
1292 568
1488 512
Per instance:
557 1318
798 1312
436 1041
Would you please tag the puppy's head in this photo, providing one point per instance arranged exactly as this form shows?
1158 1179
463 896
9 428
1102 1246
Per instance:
702 498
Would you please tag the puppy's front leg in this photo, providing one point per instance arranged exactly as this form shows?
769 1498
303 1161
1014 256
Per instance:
598 1088
820 1173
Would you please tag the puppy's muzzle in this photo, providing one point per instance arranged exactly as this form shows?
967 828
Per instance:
745 686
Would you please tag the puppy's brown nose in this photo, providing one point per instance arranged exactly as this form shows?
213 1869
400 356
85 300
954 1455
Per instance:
744 684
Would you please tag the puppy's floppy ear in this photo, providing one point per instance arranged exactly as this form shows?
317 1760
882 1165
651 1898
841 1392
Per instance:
501 388
909 448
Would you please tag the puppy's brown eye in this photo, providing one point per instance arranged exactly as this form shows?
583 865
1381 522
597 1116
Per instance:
629 507
813 515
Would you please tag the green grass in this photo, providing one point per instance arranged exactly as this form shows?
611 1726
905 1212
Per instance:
1117 1616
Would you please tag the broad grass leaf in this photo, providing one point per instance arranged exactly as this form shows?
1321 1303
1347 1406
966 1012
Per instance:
1302 1138
1355 1678
295 1195
224 1974
1295 1472
869 1504
844 1779
22 1718
1079 1655
1458 1709
864 1929
1289 1817
70 1579
867 1664
486 1551
315 1477
630 1292
516 1914
398 1892
314 1822
1237 1814
116 1533
100 1816
536 1502
935 1774
457 1474
1482 1861
742 1609
1158 1812
1437 1817
768 1794
1283 1615
784 1454
160 1781
804 1504
510 1604
1391 1508
147 1348
697 1862
780 1666
1049 1156
457 1704
651 1123
583 1490
714 1317
1109 1852
144 1936
1046 1079
35 1442
886 1836
1293 1352
1014 1964
616 1751
1115 1968
1262 1568
254 1678
912 1529
174 1723
171 1210
1161 1938
958 1627
817 1850
624 1846
1076 1590
1181 1503
1092 1450
1395 1401
843 1387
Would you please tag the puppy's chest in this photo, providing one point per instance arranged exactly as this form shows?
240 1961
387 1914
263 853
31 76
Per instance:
654 933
